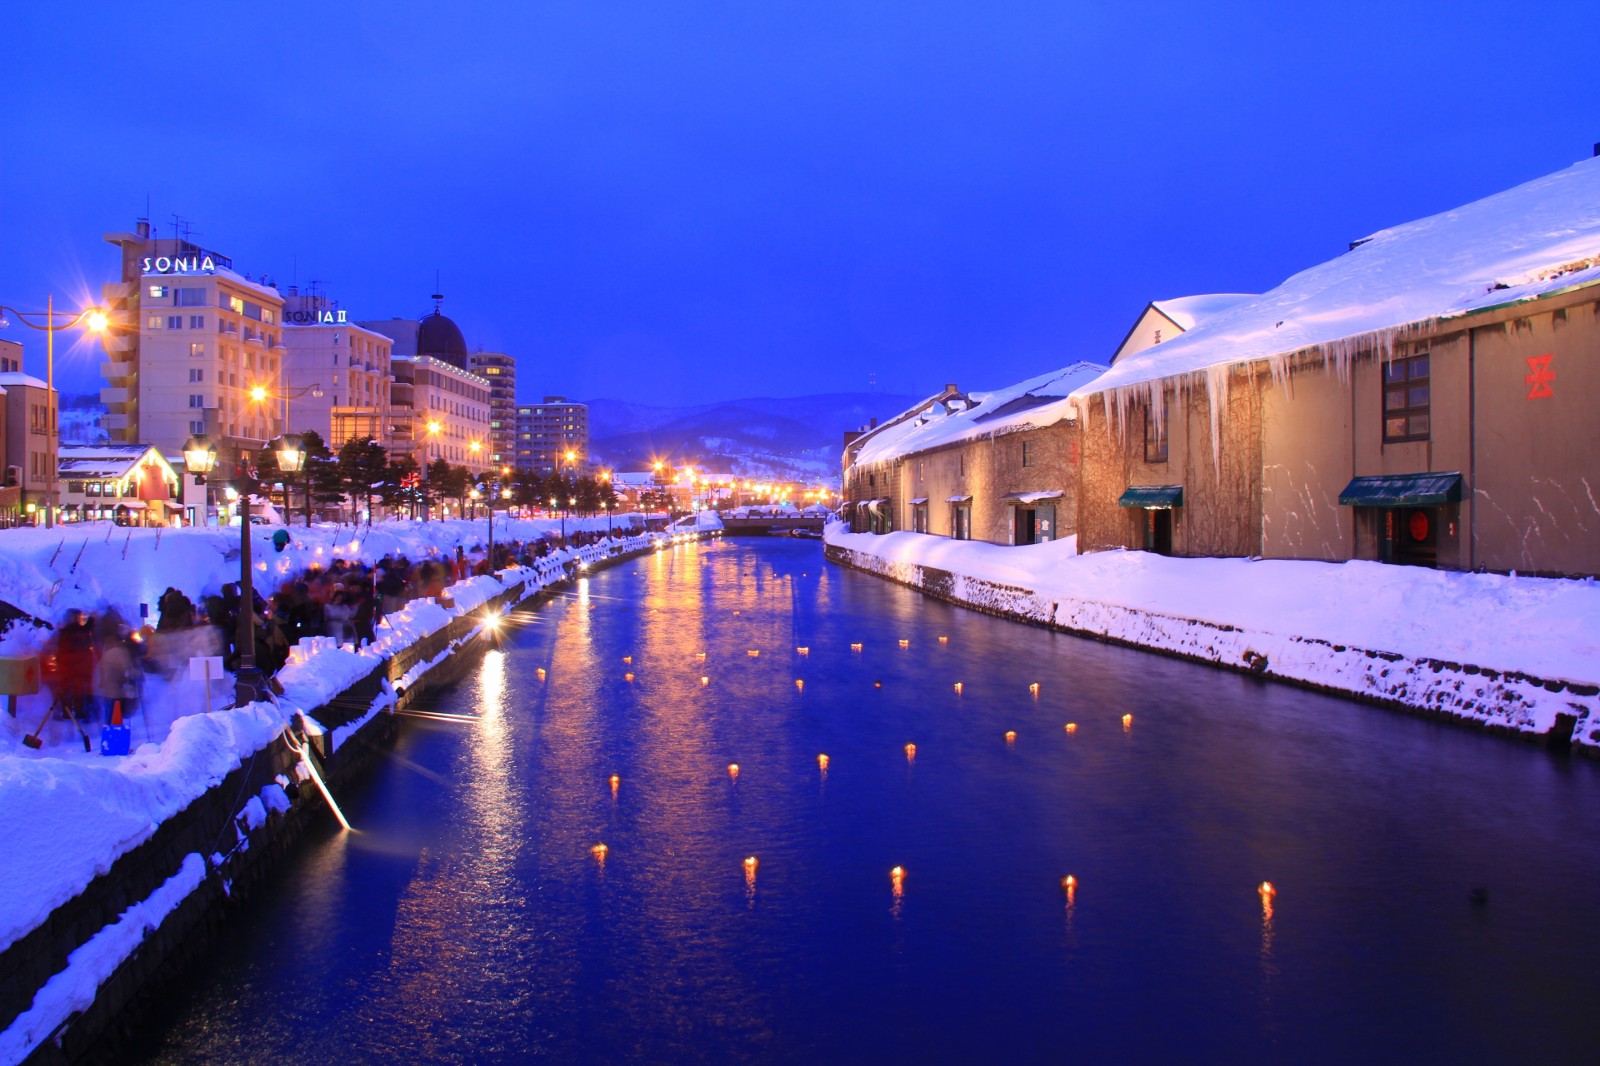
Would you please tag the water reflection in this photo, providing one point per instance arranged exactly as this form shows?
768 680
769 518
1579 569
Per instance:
479 918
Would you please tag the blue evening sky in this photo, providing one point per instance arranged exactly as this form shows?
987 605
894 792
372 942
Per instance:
679 202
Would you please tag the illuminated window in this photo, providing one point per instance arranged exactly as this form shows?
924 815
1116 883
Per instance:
158 292
1406 406
154 322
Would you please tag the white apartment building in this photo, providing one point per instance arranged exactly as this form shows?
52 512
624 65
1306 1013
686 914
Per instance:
189 340
336 373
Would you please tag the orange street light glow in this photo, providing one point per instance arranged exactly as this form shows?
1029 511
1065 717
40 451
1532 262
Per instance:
754 653
799 684
905 644
1127 722
628 676
958 688
1033 689
541 673
599 852
733 771
1072 727
855 647
1011 736
911 753
802 651
616 782
822 763
704 681
627 660
944 640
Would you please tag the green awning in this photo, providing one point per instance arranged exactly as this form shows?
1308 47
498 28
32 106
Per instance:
1402 490
1152 497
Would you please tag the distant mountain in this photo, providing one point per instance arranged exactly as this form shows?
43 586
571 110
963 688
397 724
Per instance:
795 437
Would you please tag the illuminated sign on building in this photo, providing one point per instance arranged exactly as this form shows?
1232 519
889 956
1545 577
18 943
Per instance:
180 264
314 318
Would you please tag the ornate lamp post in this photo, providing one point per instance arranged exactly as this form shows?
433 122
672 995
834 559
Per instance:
96 320
199 459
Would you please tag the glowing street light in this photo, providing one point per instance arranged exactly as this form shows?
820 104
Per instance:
433 428
95 320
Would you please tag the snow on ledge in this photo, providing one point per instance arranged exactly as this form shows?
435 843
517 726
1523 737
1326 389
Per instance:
1508 652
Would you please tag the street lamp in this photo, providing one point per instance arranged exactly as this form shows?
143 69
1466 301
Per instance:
261 393
199 459
291 453
427 467
96 320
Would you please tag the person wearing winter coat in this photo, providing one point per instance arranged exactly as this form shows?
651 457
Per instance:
117 677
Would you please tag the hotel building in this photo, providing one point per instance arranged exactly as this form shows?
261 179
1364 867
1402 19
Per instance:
432 386
336 373
501 372
189 338
547 431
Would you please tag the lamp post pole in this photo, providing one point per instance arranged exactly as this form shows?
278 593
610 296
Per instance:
247 681
52 420
52 428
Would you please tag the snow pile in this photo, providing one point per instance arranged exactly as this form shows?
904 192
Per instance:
73 989
1453 642
1031 404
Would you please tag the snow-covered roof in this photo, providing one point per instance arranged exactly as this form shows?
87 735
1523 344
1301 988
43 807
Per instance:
1031 404
1187 311
1530 241
103 460
17 378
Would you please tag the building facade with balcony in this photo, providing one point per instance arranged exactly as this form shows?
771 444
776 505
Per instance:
188 340
546 432
500 370
428 391
336 373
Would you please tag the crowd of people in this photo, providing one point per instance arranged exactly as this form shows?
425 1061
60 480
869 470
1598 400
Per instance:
94 666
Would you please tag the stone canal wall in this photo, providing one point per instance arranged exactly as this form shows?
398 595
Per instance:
1550 709
75 985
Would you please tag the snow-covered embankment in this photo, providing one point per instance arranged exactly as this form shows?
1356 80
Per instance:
1511 654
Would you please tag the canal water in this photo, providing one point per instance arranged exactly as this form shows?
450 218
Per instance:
1434 886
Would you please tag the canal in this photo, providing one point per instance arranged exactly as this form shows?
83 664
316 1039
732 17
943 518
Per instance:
1432 884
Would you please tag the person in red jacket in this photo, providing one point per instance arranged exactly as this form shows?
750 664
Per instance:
75 656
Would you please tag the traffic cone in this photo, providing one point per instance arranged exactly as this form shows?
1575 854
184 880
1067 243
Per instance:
116 712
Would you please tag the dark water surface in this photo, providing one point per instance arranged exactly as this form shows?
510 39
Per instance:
467 920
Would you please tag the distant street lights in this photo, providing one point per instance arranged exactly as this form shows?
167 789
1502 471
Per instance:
96 320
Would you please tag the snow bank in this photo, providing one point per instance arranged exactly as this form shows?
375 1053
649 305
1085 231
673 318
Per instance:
1509 652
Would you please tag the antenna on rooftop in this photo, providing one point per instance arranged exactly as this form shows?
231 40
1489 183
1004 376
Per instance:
438 297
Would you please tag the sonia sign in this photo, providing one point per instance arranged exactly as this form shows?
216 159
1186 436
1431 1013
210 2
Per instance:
179 264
